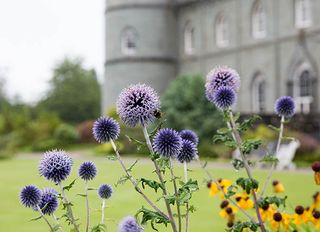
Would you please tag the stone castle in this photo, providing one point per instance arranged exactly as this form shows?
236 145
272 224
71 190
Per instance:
273 44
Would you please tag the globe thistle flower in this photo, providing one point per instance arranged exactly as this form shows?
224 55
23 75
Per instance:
105 129
223 98
222 77
129 224
167 143
55 165
189 135
48 202
30 196
285 106
138 104
105 191
87 170
188 152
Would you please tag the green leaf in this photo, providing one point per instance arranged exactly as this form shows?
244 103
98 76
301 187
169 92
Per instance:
247 184
153 217
274 128
122 180
171 199
132 165
68 187
152 184
112 157
35 219
82 195
269 159
237 164
278 201
223 131
246 124
230 192
250 144
138 143
240 226
90 189
99 228
56 227
192 209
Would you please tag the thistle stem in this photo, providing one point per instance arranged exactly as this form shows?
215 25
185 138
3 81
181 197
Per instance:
173 178
87 207
187 204
134 183
69 210
102 211
56 220
225 196
46 220
164 190
273 165
238 140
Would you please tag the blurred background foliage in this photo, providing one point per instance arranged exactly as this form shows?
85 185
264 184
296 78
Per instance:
65 116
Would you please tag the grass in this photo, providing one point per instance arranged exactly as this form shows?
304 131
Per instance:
16 173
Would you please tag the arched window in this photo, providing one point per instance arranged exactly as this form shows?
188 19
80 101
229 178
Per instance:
303 91
129 39
303 13
189 39
258 94
222 31
259 21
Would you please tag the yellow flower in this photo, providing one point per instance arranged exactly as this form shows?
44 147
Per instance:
280 219
301 216
316 200
267 212
277 187
213 188
244 201
316 219
316 168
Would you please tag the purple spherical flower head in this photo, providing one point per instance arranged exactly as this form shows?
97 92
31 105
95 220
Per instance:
30 196
49 202
55 165
137 104
167 143
87 170
105 191
189 135
129 224
189 151
223 98
220 77
285 106
105 129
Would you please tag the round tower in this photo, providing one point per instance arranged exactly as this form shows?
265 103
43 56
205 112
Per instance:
140 46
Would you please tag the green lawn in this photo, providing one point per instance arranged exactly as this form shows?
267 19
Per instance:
18 172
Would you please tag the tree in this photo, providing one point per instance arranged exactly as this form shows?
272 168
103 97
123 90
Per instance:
185 107
74 92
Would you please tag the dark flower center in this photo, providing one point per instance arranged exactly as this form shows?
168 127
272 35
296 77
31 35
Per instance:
238 199
277 217
275 182
224 204
229 210
316 214
266 207
299 210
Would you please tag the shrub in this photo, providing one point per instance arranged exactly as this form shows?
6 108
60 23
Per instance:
65 135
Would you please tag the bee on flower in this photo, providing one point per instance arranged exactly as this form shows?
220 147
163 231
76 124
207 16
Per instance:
266 212
280 220
277 186
300 216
